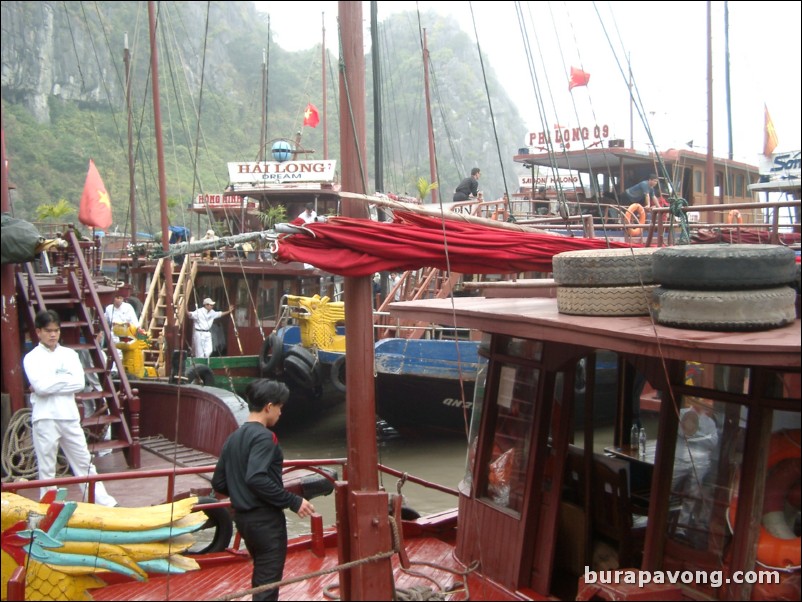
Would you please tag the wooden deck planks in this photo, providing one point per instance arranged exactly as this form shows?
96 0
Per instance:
214 582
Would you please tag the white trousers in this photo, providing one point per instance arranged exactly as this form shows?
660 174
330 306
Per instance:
202 344
48 435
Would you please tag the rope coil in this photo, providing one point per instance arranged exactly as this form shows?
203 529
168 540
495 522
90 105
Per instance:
19 456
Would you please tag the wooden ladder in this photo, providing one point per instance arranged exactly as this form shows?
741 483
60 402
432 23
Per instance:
72 293
154 308
426 283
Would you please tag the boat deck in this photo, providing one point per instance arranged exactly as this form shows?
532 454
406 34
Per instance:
434 567
233 574
138 492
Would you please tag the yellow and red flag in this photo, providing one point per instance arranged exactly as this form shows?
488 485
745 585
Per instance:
578 78
770 135
95 209
311 117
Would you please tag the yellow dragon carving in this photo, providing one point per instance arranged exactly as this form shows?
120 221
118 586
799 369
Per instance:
67 546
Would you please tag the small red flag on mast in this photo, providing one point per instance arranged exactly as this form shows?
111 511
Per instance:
95 208
311 117
578 78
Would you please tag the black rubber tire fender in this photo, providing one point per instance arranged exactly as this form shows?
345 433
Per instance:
220 519
747 310
337 374
301 373
724 267
271 355
201 374
302 353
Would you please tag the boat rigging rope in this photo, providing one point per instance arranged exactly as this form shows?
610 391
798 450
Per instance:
19 457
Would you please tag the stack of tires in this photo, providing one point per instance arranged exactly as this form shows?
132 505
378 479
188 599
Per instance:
604 282
725 287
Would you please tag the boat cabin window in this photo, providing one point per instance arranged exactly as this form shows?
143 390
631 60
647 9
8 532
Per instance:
503 476
477 409
267 302
243 312
697 181
212 287
739 185
506 471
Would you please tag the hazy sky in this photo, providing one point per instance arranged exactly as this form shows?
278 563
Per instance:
667 46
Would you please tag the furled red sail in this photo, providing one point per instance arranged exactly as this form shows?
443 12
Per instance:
359 247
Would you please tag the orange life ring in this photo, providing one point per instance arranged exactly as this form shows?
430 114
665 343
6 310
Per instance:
734 216
498 212
778 546
635 211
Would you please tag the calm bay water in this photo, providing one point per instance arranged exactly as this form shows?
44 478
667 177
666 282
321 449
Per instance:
431 455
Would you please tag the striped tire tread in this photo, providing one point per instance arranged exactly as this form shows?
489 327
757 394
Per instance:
724 267
761 309
604 267
604 301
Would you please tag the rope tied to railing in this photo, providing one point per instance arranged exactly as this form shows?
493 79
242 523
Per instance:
677 207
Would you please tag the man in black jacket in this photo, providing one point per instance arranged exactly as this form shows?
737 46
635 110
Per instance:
468 189
249 472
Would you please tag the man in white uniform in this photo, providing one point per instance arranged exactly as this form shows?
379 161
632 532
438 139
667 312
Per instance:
697 440
56 374
120 312
308 214
204 317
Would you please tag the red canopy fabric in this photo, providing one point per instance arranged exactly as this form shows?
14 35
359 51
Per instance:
360 247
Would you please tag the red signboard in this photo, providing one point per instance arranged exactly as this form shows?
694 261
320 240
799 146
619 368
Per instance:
218 201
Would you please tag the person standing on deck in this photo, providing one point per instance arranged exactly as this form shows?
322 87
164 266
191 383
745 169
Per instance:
120 312
697 440
643 193
468 189
249 471
204 317
56 375
308 214
395 281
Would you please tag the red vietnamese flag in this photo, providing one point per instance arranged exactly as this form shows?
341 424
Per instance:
311 117
578 78
95 209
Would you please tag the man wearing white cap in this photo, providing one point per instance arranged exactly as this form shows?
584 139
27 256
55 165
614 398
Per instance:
204 317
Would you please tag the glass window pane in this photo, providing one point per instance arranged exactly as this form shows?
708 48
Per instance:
506 470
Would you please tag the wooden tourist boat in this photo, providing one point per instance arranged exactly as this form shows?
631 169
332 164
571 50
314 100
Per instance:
535 498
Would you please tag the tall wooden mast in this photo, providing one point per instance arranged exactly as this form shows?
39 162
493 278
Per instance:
367 531
167 266
429 125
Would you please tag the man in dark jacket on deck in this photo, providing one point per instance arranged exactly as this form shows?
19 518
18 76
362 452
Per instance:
468 189
249 472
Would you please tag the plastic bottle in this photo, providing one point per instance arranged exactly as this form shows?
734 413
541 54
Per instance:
633 437
642 442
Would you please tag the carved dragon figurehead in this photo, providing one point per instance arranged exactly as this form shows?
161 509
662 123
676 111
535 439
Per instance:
67 546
